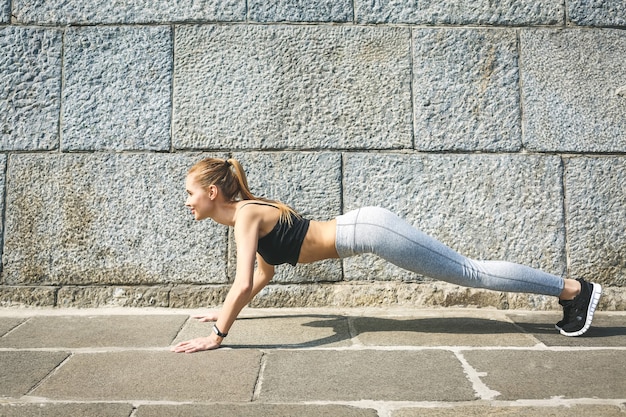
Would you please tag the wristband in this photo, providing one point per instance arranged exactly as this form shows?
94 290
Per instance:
217 331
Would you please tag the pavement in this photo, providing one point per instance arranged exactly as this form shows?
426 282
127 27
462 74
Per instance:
375 362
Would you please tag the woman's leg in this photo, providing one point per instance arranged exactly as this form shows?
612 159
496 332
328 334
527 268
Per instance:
379 231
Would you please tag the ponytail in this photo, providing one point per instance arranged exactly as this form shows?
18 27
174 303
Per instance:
230 177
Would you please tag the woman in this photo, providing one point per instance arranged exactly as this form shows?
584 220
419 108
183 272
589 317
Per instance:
270 233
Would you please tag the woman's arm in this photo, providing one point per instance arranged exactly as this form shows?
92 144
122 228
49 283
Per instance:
240 293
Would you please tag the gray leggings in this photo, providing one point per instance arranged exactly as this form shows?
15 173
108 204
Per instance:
379 231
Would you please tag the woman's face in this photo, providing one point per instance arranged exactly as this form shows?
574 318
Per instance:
198 199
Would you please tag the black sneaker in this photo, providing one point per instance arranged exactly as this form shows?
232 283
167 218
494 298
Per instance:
578 313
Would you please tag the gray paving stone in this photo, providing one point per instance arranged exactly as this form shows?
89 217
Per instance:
302 87
466 89
471 203
595 201
65 410
155 376
95 331
310 182
597 13
21 371
573 90
439 331
254 410
7 324
608 330
63 12
358 375
301 11
551 373
30 81
507 12
63 226
278 332
517 411
117 88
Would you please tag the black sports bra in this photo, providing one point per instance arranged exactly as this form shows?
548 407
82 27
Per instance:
284 242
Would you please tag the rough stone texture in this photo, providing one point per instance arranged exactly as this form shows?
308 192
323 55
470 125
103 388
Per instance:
301 10
466 91
355 375
30 88
515 411
5 11
65 410
94 331
114 296
18 296
197 296
574 90
472 203
253 410
311 87
63 12
128 375
595 202
597 12
22 370
310 182
117 88
507 12
106 219
3 170
505 373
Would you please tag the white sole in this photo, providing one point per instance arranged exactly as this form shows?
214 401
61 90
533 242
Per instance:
593 304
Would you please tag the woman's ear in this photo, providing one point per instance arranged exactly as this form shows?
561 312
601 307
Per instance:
213 192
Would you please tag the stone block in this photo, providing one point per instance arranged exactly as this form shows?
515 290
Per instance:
364 374
595 201
254 410
597 12
66 409
573 90
5 11
9 323
450 328
155 376
578 410
469 202
278 332
509 373
30 81
27 296
116 219
117 88
466 90
463 12
197 296
301 11
112 296
3 170
65 12
607 330
22 370
298 87
94 332
310 182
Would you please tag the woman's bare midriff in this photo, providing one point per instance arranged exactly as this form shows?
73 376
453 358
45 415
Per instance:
319 242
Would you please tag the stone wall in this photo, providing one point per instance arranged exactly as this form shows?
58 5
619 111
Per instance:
498 127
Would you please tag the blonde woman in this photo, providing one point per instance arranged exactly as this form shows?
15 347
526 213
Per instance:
270 233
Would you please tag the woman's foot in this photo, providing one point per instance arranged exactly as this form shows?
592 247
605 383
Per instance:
578 313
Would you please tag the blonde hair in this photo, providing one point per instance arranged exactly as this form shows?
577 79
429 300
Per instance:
228 175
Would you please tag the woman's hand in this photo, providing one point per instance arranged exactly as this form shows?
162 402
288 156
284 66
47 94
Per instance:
207 317
199 344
